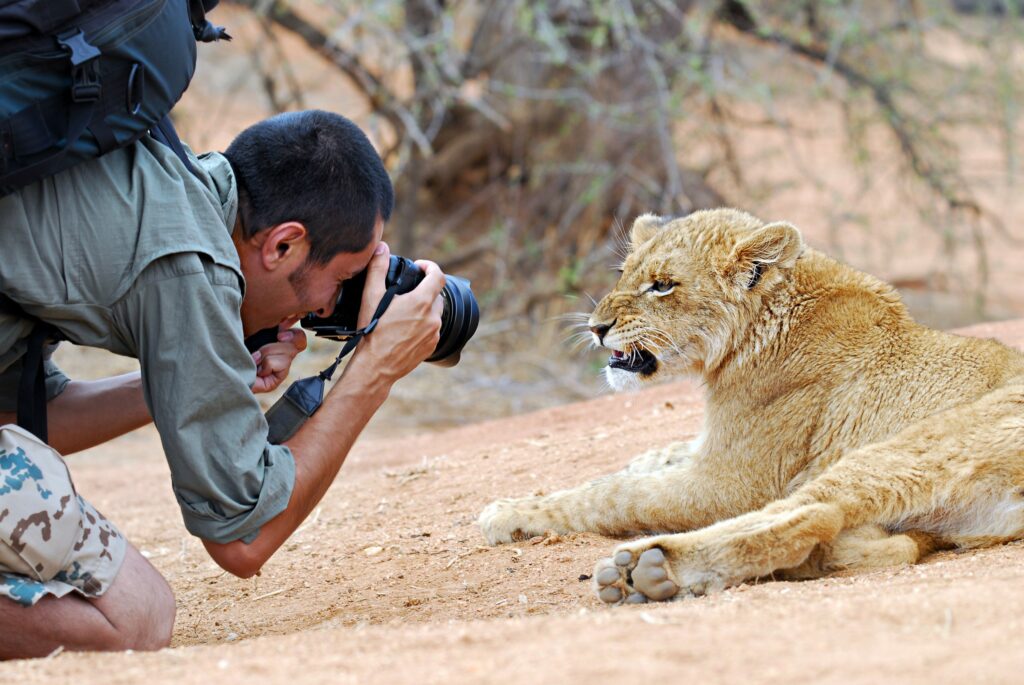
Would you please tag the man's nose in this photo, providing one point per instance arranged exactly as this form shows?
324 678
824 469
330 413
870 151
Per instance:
325 312
600 329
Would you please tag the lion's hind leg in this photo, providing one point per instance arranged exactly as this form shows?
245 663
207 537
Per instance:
660 458
864 547
673 496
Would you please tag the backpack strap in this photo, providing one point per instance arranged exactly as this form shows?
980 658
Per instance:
164 132
32 383
203 30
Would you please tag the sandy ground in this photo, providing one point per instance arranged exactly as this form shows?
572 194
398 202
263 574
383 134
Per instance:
389 580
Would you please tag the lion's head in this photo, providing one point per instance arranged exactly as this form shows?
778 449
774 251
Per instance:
690 290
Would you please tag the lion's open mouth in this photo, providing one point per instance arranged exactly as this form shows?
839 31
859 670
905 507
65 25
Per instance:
638 360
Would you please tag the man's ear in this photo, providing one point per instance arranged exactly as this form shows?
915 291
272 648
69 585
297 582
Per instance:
281 243
776 245
645 227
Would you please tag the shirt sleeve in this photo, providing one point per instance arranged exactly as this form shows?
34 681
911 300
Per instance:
182 317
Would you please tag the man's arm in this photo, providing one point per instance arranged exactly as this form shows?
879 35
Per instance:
88 413
408 332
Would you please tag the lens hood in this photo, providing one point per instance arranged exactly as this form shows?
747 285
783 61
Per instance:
459 320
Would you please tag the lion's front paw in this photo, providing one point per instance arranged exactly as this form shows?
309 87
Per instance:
507 520
656 569
633 579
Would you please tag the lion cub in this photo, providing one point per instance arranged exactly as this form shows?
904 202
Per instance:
838 433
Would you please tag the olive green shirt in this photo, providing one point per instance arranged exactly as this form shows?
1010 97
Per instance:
132 253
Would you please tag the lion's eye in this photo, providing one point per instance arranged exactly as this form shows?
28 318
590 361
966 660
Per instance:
662 287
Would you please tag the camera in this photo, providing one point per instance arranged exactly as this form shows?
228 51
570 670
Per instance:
459 319
304 397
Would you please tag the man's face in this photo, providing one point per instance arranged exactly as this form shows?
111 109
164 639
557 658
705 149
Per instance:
309 287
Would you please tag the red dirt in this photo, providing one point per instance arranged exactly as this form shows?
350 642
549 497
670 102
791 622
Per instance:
389 580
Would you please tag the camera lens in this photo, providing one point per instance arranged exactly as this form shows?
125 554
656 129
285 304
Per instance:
458 321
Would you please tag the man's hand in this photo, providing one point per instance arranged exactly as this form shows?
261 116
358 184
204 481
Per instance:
409 330
273 361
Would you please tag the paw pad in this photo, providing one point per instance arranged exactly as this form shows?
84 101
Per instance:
620 580
651 576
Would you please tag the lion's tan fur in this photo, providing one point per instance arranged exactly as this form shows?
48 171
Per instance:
838 432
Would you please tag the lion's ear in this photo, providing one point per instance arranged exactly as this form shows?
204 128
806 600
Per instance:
645 227
776 245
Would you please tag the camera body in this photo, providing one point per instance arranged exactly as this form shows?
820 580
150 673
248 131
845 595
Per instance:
459 319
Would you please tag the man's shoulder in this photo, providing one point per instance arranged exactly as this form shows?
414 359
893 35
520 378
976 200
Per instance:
220 179
203 208
186 264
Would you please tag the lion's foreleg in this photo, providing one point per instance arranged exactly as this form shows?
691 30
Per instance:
672 498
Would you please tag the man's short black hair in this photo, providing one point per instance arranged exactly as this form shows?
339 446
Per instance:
314 167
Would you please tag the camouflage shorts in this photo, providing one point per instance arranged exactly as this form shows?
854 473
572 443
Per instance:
51 540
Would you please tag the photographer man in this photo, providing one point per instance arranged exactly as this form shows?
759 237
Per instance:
133 253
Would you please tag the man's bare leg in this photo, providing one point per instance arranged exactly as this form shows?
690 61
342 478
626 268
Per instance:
136 612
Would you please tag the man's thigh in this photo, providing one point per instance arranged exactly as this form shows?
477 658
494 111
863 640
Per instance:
51 540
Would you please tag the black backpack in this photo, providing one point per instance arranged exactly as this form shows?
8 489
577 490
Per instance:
79 78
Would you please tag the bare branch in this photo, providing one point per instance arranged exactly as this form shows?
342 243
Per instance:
957 199
381 99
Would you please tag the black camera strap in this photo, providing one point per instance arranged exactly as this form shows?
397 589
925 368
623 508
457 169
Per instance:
304 397
359 334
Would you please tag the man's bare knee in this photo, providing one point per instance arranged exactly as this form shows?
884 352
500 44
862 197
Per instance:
155 621
139 605
161 622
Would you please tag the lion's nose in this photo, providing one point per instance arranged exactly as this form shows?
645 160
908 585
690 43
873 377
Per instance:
600 330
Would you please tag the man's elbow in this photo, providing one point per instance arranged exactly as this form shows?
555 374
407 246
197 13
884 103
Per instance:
237 558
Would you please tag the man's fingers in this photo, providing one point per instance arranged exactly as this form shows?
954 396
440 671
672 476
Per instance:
374 288
272 361
295 337
433 277
267 383
272 366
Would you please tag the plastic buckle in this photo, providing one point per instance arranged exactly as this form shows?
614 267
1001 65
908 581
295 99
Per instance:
85 67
